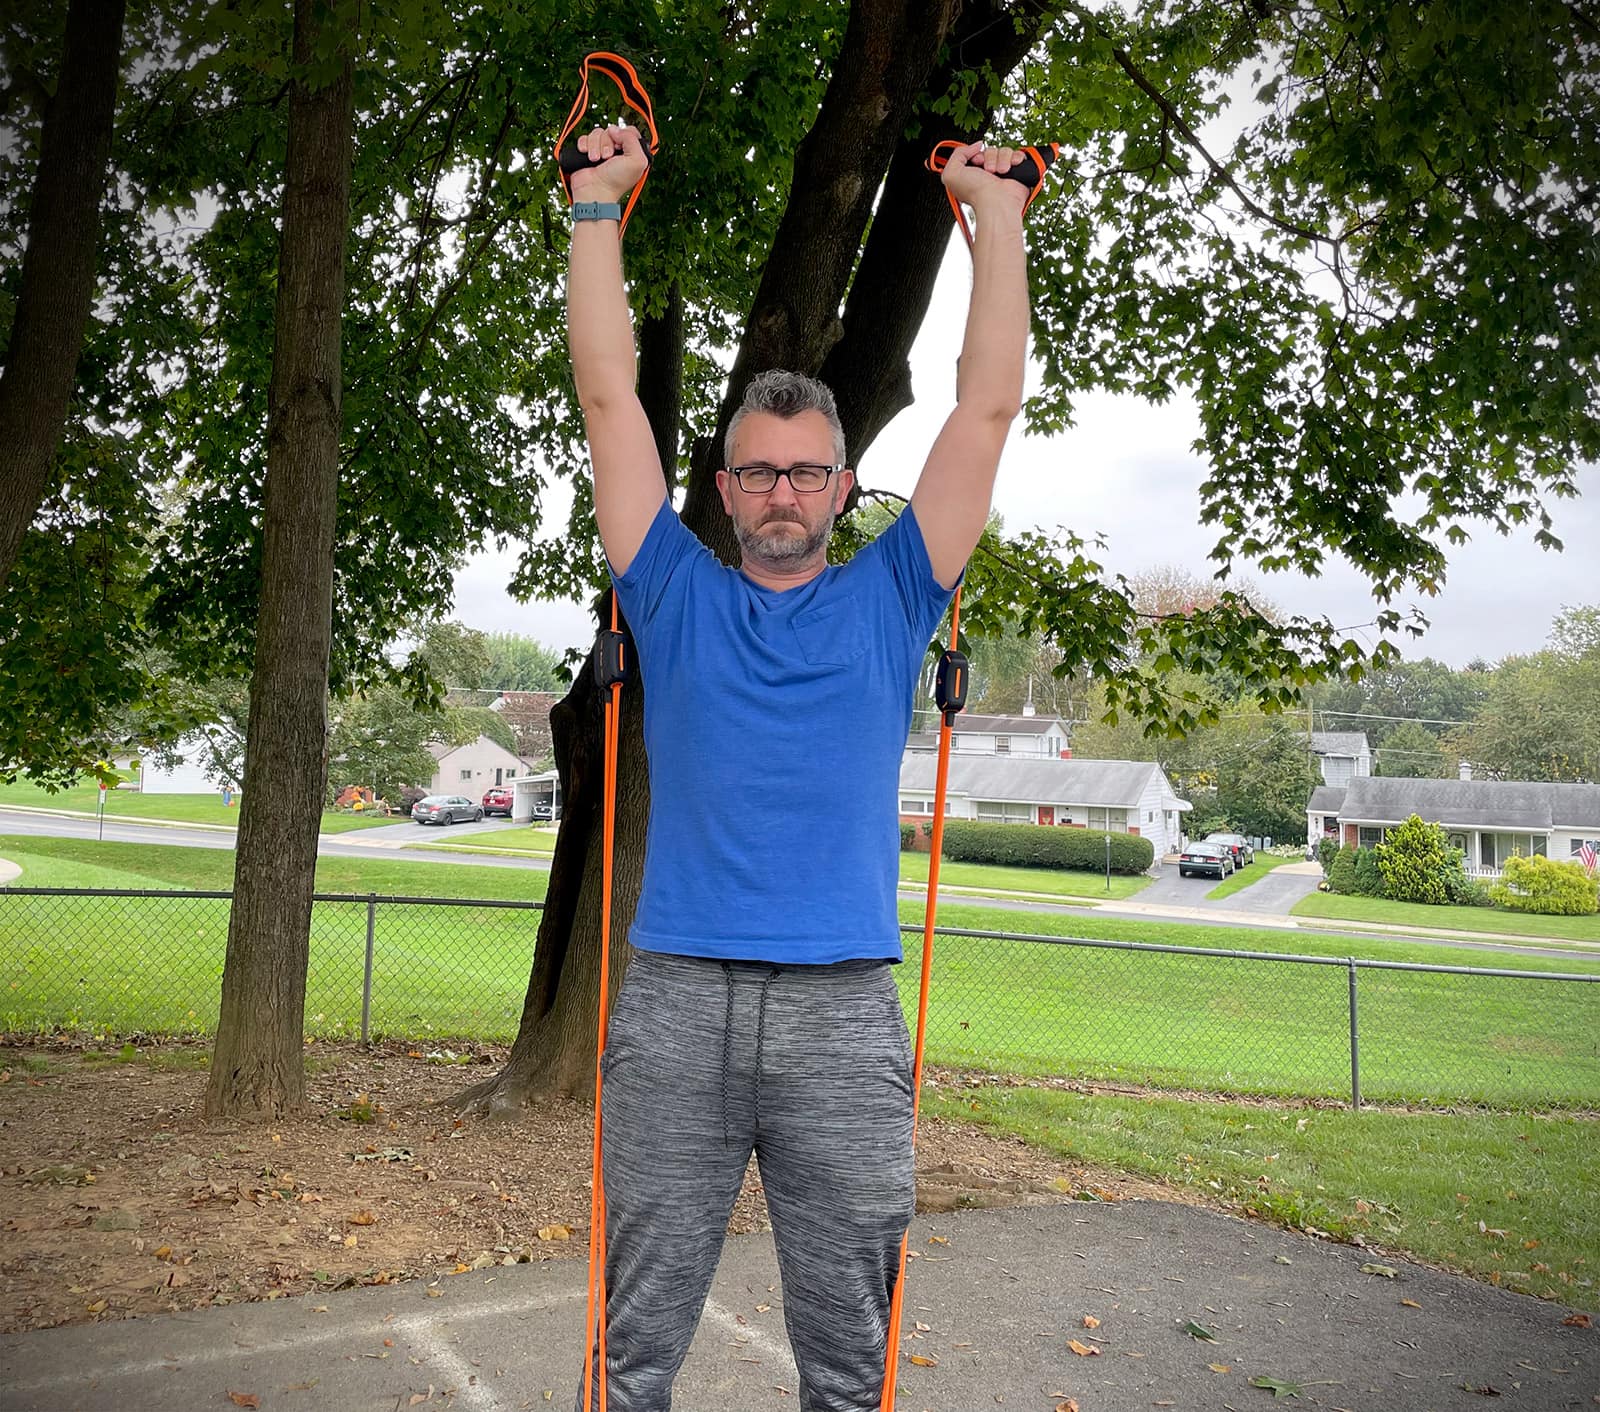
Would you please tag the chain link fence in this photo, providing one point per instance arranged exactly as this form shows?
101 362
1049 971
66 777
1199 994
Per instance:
456 969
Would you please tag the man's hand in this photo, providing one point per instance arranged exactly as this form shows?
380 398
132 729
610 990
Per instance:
622 161
975 176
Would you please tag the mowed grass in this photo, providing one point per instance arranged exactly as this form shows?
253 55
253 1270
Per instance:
170 808
1264 864
1464 919
1414 1182
1045 882
154 965
1231 1024
515 838
1219 1024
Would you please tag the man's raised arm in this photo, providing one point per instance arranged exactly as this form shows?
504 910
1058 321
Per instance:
628 483
957 483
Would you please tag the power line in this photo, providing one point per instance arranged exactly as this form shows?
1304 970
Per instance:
1374 716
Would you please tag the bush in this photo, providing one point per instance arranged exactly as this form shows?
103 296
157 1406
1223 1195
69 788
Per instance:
1340 869
409 796
1045 846
1463 891
1414 861
1368 879
908 834
1543 885
1327 851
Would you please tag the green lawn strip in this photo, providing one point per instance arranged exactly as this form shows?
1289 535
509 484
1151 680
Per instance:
540 843
169 808
1046 882
1264 864
1417 1183
1465 919
1239 1025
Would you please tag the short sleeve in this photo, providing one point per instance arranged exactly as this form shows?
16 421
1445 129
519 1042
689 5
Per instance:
904 554
668 550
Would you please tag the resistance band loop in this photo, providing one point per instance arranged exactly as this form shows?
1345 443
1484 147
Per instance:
1029 171
569 159
611 671
950 694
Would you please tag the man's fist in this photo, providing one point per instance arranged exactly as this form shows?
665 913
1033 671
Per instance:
976 174
622 162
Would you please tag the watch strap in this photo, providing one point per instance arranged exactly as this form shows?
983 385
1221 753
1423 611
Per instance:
597 211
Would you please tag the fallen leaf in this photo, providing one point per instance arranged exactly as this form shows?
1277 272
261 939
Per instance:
1387 1271
556 1232
1410 1304
1220 1367
1484 1391
417 1398
938 1240
434 1293
362 1218
1577 1321
1083 1350
1090 1322
1276 1386
1067 1404
243 1399
922 1360
1199 1331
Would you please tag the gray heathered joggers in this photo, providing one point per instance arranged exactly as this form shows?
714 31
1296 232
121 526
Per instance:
810 1067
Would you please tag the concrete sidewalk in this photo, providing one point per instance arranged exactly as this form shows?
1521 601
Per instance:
996 1295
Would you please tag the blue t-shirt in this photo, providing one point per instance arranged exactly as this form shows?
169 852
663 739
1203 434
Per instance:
775 724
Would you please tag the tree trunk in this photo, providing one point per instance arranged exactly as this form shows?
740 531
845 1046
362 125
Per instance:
257 1069
888 55
58 268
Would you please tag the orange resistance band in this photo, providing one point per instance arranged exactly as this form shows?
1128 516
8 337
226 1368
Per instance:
569 159
941 781
1030 172
611 669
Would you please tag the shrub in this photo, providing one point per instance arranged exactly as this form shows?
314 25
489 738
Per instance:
1414 861
908 834
1340 868
1368 880
1327 851
1463 891
1543 885
1045 846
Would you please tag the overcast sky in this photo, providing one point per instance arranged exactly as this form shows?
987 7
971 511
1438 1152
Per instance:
1126 471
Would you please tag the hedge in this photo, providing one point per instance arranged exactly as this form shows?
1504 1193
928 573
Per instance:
1045 846
1540 884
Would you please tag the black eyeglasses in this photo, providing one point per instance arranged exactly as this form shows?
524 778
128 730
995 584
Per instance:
805 477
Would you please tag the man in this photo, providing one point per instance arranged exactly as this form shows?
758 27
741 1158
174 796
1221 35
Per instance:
759 1013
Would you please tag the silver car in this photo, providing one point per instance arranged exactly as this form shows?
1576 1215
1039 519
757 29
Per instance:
445 809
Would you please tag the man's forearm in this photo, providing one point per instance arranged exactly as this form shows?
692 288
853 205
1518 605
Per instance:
599 325
994 350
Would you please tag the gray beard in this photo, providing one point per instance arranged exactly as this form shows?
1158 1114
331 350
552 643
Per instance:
775 549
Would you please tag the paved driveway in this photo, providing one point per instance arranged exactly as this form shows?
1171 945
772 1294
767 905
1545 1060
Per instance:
1272 894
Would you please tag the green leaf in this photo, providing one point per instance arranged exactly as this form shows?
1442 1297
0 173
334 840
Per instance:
1199 1331
1277 1387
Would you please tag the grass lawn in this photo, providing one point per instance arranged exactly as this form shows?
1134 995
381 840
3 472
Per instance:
1264 864
172 808
1413 1182
1237 1025
1050 882
1218 1024
518 838
1464 919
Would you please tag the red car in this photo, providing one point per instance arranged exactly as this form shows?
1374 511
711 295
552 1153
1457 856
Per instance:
497 801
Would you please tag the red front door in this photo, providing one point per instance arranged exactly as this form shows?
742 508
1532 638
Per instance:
1047 813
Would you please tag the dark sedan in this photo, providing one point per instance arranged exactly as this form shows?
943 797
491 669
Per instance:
1205 860
445 809
1237 844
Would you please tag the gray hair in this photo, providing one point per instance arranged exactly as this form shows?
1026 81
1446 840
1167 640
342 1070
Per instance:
784 394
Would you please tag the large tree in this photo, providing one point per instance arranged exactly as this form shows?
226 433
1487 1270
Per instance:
257 1064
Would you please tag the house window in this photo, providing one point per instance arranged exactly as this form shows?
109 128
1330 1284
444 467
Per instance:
1002 745
915 806
1497 847
465 776
1371 837
1578 843
1004 812
511 774
1111 820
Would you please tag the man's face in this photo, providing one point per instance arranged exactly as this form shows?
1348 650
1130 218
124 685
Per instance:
782 529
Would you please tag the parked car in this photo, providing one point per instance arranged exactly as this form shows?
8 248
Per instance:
445 809
542 811
1206 860
1237 844
497 800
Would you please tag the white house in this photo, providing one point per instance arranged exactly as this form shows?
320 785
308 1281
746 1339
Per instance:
192 769
1120 796
1027 736
1488 820
1342 755
472 768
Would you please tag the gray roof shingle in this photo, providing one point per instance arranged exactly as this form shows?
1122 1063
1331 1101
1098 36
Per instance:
1492 804
1352 743
1101 783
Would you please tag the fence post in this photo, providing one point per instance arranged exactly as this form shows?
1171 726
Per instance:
1355 1041
366 979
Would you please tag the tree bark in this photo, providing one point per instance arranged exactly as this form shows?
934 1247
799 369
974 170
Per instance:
56 290
257 1069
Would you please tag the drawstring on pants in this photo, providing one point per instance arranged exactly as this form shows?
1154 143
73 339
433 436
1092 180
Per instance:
727 1045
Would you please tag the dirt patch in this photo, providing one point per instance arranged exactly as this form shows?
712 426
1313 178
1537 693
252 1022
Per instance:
120 1199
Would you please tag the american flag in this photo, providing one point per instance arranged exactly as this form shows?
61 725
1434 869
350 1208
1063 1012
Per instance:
1586 856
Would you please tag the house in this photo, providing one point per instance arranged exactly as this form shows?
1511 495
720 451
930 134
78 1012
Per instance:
191 766
536 797
1342 755
1027 736
1121 796
1488 820
472 768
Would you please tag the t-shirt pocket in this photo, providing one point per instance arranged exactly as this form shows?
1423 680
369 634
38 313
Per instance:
833 635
